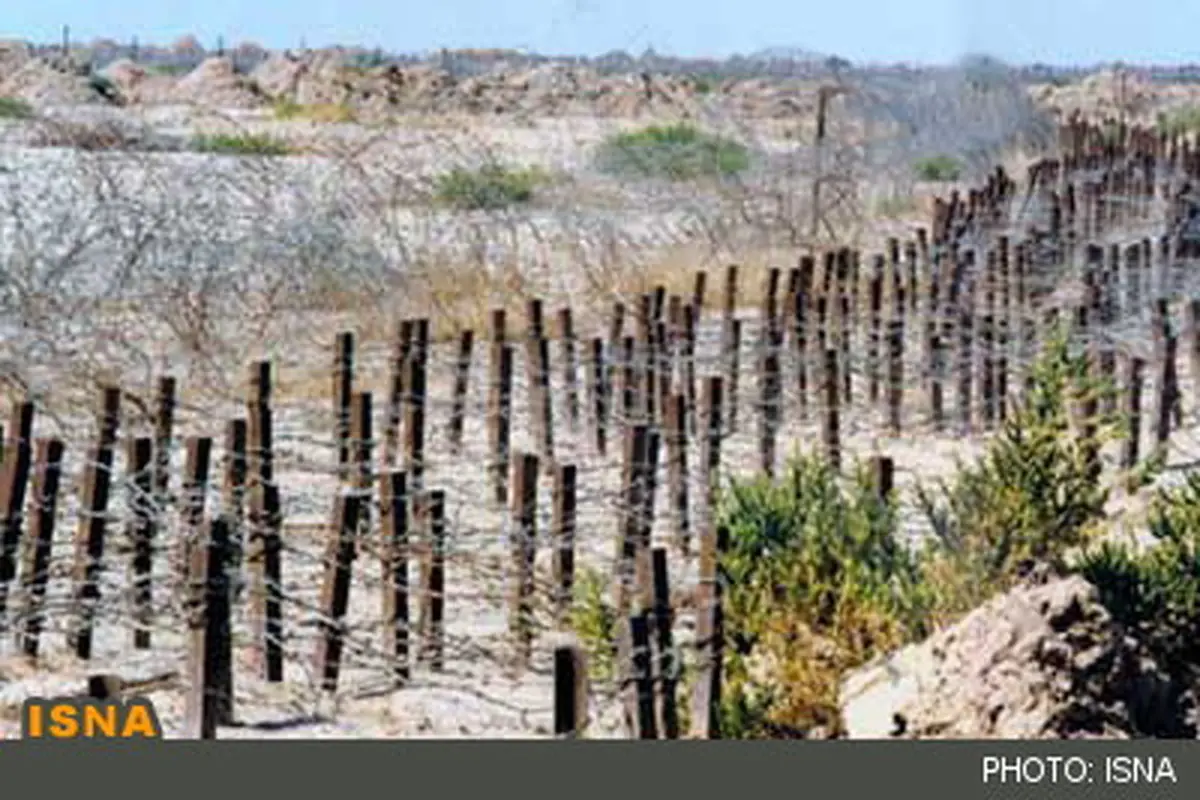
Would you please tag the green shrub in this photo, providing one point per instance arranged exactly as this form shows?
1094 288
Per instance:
1034 497
594 621
676 152
492 186
15 108
817 583
938 168
1156 592
243 144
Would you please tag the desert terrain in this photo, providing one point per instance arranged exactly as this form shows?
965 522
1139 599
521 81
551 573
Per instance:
159 220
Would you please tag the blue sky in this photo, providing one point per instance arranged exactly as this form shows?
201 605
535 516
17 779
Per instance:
1051 31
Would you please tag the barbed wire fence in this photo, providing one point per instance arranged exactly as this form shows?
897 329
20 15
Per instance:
417 521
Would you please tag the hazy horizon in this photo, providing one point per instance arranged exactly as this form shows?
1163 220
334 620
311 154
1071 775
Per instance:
921 32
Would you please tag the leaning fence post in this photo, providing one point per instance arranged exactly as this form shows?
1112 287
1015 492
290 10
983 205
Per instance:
339 557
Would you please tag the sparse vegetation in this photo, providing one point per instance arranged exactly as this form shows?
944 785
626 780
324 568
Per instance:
285 110
1156 591
492 186
819 582
676 152
939 168
241 144
1180 121
15 108
594 621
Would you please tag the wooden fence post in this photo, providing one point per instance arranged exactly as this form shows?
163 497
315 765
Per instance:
209 625
342 549
564 540
89 541
640 686
394 416
462 376
710 636
15 479
265 545
500 421
664 646
632 505
234 496
566 339
677 470
434 645
524 548
343 387
139 458
414 411
1133 410
394 552
570 691
164 428
875 335
47 480
830 432
598 397
195 487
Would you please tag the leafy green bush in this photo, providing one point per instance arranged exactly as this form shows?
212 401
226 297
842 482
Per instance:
1156 591
938 168
676 152
246 144
594 621
1032 498
817 583
15 108
492 186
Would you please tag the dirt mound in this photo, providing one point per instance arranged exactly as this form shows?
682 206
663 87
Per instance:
135 84
1104 94
42 83
1043 661
13 56
279 75
216 84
